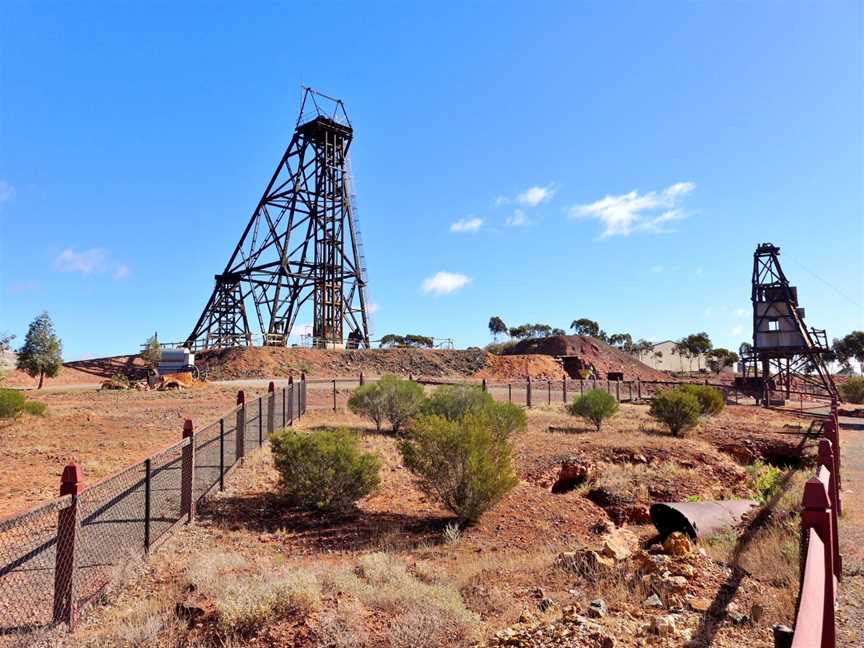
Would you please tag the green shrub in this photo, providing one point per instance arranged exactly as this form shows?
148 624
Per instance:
324 469
764 479
710 398
35 408
676 409
466 463
392 398
853 389
368 401
455 402
594 406
12 402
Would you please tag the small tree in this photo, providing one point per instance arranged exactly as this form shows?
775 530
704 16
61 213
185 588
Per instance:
456 402
152 352
710 398
496 327
595 406
676 409
848 348
11 403
368 401
585 326
853 389
41 354
464 463
324 469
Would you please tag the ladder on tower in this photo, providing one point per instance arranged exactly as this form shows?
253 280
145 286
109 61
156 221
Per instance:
358 237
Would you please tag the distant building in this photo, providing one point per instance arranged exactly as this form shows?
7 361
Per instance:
663 357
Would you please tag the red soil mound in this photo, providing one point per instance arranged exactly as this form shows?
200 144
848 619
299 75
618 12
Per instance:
81 372
589 353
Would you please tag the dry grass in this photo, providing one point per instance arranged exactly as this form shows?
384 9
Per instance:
630 482
247 603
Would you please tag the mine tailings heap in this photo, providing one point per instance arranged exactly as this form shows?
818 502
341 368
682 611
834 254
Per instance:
582 356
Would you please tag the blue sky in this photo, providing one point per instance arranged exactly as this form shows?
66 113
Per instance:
554 160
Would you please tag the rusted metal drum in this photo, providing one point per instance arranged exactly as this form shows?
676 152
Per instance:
699 519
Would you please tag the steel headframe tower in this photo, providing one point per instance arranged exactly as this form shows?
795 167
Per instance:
784 350
301 244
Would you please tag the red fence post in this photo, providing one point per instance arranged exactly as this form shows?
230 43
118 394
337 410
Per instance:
816 515
66 557
826 459
831 431
187 501
240 441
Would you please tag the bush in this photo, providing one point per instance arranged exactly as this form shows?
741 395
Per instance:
324 469
35 408
710 398
455 402
676 409
764 479
392 398
368 401
594 406
12 402
853 389
467 464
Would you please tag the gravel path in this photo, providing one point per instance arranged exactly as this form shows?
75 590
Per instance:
850 614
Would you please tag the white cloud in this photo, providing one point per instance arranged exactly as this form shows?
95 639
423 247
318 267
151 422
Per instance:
738 330
7 192
444 283
533 196
122 271
371 309
467 225
86 262
657 268
635 212
518 218
501 200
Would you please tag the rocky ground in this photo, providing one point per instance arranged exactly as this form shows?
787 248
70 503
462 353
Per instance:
542 568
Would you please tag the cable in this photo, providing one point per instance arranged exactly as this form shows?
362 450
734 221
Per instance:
832 287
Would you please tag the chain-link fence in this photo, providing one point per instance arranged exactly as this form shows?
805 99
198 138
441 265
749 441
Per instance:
60 556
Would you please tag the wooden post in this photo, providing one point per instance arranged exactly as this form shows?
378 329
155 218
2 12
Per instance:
483 385
187 479
361 378
638 389
618 390
240 440
271 407
222 454
301 409
826 459
334 394
816 515
509 393
291 401
284 406
564 389
528 395
548 392
147 475
66 554
260 421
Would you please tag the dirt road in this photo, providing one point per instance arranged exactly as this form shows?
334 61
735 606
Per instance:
850 615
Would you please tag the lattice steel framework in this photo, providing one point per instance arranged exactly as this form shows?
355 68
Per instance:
785 352
300 245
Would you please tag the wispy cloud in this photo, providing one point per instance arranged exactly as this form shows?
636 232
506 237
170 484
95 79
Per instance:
634 212
742 312
90 262
467 225
517 219
445 283
371 308
657 268
85 262
7 192
699 271
738 330
533 196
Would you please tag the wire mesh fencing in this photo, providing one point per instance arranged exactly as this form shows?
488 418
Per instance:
59 557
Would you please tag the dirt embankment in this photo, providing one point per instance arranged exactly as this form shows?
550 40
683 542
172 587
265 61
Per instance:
276 362
82 372
591 354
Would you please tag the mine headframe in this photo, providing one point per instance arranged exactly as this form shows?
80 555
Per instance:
301 247
786 356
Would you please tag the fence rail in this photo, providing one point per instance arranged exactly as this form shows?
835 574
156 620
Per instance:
821 562
60 556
